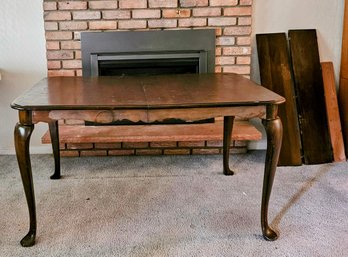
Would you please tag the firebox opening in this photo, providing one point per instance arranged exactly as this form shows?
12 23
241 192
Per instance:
148 67
155 63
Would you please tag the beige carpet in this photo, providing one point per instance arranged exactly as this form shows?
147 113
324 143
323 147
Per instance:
174 206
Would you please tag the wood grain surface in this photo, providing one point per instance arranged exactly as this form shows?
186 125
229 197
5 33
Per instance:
145 92
333 114
343 88
275 72
316 143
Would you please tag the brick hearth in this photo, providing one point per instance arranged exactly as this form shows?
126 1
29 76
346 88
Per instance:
64 20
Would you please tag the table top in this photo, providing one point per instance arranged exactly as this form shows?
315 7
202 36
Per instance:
144 92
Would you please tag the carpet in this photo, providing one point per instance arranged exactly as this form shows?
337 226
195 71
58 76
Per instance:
174 206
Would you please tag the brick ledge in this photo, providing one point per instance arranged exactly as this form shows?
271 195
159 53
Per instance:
242 130
195 139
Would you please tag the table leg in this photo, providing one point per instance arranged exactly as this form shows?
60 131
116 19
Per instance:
274 131
22 133
53 126
228 126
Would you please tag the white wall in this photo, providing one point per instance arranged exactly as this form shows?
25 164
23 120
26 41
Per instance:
22 63
271 16
23 60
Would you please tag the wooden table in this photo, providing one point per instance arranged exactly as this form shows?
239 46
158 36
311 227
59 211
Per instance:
153 98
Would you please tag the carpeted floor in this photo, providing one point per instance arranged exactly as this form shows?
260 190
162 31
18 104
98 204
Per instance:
174 206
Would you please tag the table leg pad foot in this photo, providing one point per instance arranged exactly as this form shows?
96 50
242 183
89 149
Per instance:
228 172
55 176
270 235
29 239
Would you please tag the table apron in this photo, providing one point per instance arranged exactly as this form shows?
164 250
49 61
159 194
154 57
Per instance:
150 115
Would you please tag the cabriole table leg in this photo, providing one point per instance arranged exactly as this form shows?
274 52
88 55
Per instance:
228 126
274 131
53 126
22 133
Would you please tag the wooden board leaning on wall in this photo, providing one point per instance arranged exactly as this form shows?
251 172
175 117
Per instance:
343 88
333 114
316 142
275 73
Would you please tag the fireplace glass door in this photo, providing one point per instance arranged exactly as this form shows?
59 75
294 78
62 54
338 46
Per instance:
148 64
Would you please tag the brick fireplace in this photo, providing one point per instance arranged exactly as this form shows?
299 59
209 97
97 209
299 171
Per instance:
65 20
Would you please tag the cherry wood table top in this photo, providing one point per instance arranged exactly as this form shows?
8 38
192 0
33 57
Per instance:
144 92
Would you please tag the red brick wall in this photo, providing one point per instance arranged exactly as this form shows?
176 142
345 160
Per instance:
150 148
64 20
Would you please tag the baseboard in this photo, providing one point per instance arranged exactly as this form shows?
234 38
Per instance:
257 145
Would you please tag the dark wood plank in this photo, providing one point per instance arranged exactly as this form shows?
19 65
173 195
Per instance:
343 88
276 75
316 143
333 114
